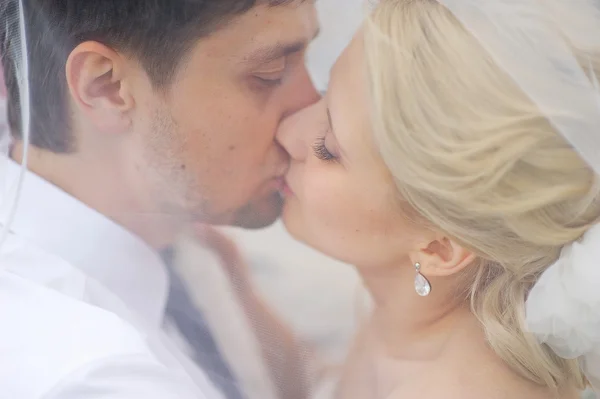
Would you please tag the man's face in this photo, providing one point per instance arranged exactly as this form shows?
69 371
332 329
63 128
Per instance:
208 148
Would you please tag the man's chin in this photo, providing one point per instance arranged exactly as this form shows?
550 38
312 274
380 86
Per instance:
259 213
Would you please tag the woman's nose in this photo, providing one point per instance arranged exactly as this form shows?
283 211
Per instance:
298 131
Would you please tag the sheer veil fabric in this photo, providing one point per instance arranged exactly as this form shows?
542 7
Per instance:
532 41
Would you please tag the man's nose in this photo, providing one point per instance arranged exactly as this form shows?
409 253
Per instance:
304 94
297 132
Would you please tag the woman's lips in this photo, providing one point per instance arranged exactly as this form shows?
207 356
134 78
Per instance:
286 190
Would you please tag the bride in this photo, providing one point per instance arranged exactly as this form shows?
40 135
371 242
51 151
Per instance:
452 164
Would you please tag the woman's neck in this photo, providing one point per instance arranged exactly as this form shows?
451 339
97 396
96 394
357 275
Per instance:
407 325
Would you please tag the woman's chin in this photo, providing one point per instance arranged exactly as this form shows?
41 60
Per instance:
290 218
297 227
294 222
303 231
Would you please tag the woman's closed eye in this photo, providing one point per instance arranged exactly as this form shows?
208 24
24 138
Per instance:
321 150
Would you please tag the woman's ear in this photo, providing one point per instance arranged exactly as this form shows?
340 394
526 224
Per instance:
442 257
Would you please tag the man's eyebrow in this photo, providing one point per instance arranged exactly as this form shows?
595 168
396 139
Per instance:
268 54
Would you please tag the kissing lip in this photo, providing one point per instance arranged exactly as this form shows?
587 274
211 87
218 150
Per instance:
286 189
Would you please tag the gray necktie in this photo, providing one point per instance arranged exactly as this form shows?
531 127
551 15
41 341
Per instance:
192 325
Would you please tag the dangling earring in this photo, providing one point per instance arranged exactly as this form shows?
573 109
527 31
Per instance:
422 286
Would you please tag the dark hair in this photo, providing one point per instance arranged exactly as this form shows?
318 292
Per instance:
157 32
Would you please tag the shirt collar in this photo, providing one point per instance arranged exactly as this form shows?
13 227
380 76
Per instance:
62 225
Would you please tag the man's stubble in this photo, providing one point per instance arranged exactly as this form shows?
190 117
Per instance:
182 196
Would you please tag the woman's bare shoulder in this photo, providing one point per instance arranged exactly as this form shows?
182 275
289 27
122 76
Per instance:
481 385
475 376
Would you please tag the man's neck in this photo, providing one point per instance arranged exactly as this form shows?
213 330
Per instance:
99 185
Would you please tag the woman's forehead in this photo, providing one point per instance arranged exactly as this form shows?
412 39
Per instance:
348 101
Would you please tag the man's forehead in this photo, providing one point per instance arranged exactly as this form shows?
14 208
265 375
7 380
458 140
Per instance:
278 48
268 32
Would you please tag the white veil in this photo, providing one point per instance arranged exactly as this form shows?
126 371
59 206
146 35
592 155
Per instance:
15 43
532 40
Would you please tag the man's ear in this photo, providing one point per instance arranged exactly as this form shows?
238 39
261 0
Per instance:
442 257
96 76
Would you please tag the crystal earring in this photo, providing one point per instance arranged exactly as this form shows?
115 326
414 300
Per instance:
422 286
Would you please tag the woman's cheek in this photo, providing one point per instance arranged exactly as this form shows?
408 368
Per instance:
331 206
324 193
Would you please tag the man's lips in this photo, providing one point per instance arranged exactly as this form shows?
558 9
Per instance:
279 183
276 183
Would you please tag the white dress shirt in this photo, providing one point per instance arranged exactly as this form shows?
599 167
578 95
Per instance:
81 308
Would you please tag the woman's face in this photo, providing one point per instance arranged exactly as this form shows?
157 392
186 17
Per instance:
339 195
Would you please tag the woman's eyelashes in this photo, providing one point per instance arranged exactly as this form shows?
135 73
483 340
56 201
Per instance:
321 150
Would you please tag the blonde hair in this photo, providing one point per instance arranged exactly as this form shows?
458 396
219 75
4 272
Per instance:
476 159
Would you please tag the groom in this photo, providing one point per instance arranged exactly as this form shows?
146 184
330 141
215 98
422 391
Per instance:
146 117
